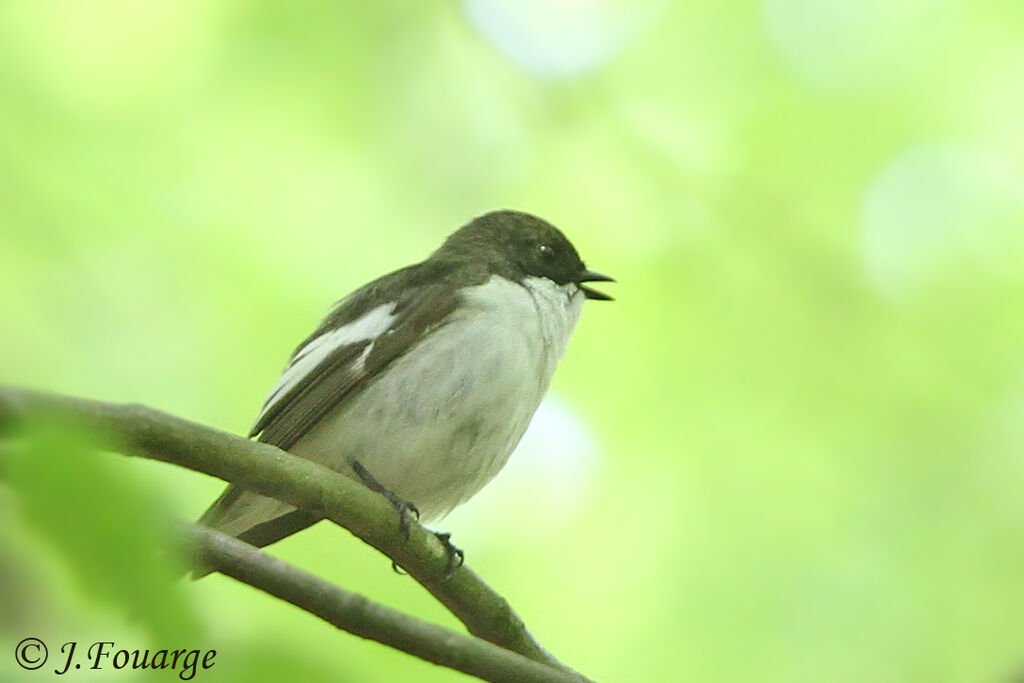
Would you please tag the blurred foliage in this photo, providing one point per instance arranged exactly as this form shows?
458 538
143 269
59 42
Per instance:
790 451
108 528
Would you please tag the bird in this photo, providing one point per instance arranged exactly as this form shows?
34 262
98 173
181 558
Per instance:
421 383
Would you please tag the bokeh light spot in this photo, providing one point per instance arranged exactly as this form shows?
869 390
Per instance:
858 45
550 468
560 39
938 210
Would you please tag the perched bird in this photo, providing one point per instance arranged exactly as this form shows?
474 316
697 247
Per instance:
421 383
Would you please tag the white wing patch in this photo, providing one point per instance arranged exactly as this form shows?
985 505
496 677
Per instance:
370 326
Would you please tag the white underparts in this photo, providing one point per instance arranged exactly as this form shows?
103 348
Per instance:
442 419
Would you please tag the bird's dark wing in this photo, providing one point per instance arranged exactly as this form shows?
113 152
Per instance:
371 328
362 336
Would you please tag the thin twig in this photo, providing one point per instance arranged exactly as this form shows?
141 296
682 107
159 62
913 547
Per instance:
366 618
142 431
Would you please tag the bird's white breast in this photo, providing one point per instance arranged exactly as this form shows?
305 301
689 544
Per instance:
442 419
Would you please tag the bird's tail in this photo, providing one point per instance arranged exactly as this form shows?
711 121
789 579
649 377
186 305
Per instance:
255 519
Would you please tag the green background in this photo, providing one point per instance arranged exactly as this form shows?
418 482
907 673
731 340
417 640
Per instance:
792 450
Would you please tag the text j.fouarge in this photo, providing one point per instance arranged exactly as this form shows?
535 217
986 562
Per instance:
104 654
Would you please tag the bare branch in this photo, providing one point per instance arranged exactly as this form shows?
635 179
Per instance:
141 431
366 618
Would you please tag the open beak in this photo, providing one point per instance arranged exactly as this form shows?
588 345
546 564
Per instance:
591 276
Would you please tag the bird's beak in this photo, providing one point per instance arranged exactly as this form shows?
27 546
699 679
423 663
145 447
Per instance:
591 276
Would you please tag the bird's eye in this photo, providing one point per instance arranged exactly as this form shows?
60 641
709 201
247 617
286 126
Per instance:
546 250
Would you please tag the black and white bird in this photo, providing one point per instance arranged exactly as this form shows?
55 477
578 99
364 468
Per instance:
421 383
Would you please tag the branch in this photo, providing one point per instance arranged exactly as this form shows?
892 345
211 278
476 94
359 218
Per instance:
365 618
145 432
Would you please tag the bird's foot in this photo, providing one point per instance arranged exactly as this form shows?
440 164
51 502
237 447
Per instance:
407 512
456 558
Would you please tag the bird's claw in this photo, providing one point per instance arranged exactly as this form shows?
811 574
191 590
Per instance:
407 514
456 558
